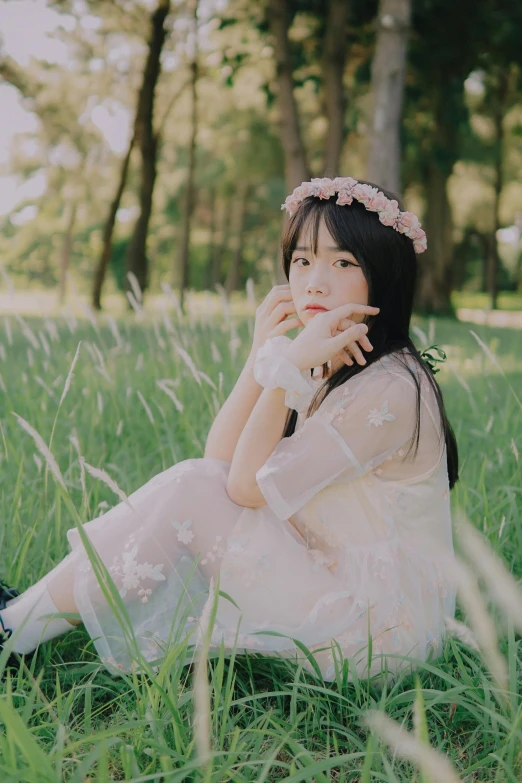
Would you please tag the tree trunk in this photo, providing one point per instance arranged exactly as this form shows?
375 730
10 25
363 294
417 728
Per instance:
65 259
137 261
212 238
105 255
232 281
484 246
221 243
296 168
335 53
388 68
493 256
189 189
435 285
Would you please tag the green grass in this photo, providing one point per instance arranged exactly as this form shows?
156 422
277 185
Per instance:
64 717
475 300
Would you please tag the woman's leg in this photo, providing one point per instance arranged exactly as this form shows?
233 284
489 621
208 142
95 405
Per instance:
200 516
29 616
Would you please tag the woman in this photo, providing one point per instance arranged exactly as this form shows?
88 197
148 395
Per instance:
328 523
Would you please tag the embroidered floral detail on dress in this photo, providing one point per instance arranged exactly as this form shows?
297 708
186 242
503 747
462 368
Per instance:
184 535
237 544
216 552
377 417
320 559
132 572
395 496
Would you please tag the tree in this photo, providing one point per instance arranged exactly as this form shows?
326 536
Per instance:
335 55
443 50
388 70
189 186
137 261
501 63
108 230
296 167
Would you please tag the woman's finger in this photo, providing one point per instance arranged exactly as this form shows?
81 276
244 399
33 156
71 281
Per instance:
365 343
351 334
357 353
280 311
285 326
344 311
347 358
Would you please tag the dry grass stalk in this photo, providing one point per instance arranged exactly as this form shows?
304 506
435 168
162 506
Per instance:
103 476
163 386
501 586
481 622
70 374
406 745
201 685
43 449
147 409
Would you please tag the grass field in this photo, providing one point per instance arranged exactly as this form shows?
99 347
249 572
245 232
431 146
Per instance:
64 717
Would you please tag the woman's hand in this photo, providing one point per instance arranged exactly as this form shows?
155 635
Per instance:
271 314
328 334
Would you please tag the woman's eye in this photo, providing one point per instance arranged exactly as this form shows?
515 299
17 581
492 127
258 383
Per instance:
344 261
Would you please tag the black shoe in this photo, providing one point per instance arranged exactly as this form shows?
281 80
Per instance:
5 633
6 594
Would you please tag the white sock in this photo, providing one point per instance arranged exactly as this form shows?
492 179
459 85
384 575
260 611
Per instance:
28 618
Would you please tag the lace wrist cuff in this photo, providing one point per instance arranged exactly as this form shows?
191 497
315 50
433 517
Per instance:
273 370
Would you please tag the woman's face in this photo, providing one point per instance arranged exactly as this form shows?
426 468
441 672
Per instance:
331 278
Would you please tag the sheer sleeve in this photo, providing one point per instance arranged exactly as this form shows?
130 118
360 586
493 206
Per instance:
368 421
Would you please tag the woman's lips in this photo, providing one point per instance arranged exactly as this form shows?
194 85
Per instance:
315 309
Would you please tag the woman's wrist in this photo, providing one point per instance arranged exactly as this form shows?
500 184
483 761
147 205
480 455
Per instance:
273 369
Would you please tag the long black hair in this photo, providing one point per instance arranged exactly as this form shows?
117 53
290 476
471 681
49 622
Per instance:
389 264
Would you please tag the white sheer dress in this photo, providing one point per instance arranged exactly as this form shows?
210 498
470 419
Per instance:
352 541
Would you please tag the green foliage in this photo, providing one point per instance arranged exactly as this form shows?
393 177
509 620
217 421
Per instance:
239 133
118 262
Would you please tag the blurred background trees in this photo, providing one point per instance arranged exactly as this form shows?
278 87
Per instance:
166 141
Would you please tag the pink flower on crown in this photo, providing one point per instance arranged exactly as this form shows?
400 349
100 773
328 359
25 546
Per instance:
364 193
345 198
290 205
377 202
373 199
390 213
306 189
420 245
345 183
416 234
407 223
324 187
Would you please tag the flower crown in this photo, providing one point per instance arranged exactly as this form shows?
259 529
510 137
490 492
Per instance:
373 199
